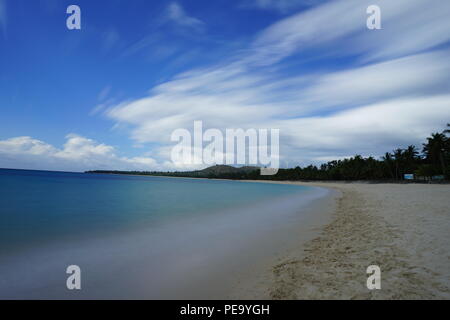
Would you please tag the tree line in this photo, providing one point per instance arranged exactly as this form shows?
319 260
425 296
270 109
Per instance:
432 161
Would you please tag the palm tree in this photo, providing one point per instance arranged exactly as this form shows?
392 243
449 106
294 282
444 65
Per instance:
387 159
411 157
411 153
398 160
435 149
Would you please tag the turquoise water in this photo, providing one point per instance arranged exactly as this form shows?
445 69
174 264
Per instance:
40 206
108 223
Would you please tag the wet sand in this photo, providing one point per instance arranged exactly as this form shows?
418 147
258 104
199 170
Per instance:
404 229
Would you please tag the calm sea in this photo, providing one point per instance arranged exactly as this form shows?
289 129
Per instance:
132 236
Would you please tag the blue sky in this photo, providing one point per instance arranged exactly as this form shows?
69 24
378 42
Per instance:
109 95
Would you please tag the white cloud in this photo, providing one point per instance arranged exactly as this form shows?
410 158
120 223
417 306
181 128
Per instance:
368 130
229 96
339 28
28 145
177 15
393 94
77 154
415 75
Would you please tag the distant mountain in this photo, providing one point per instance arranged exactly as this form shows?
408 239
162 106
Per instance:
217 171
402 165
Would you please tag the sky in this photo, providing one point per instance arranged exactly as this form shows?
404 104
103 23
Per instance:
109 96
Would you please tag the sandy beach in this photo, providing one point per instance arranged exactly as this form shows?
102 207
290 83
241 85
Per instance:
402 228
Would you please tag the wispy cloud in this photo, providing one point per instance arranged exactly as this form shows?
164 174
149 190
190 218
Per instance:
177 15
338 27
386 104
141 44
321 113
392 90
167 34
104 93
104 100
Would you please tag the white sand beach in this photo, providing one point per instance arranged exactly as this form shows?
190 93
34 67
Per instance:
402 228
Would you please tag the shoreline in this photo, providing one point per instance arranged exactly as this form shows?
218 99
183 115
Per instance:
298 182
401 228
198 256
314 245
337 243
252 283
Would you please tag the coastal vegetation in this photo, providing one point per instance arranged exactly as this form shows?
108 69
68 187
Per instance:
430 162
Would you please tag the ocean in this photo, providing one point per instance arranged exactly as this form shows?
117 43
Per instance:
136 236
